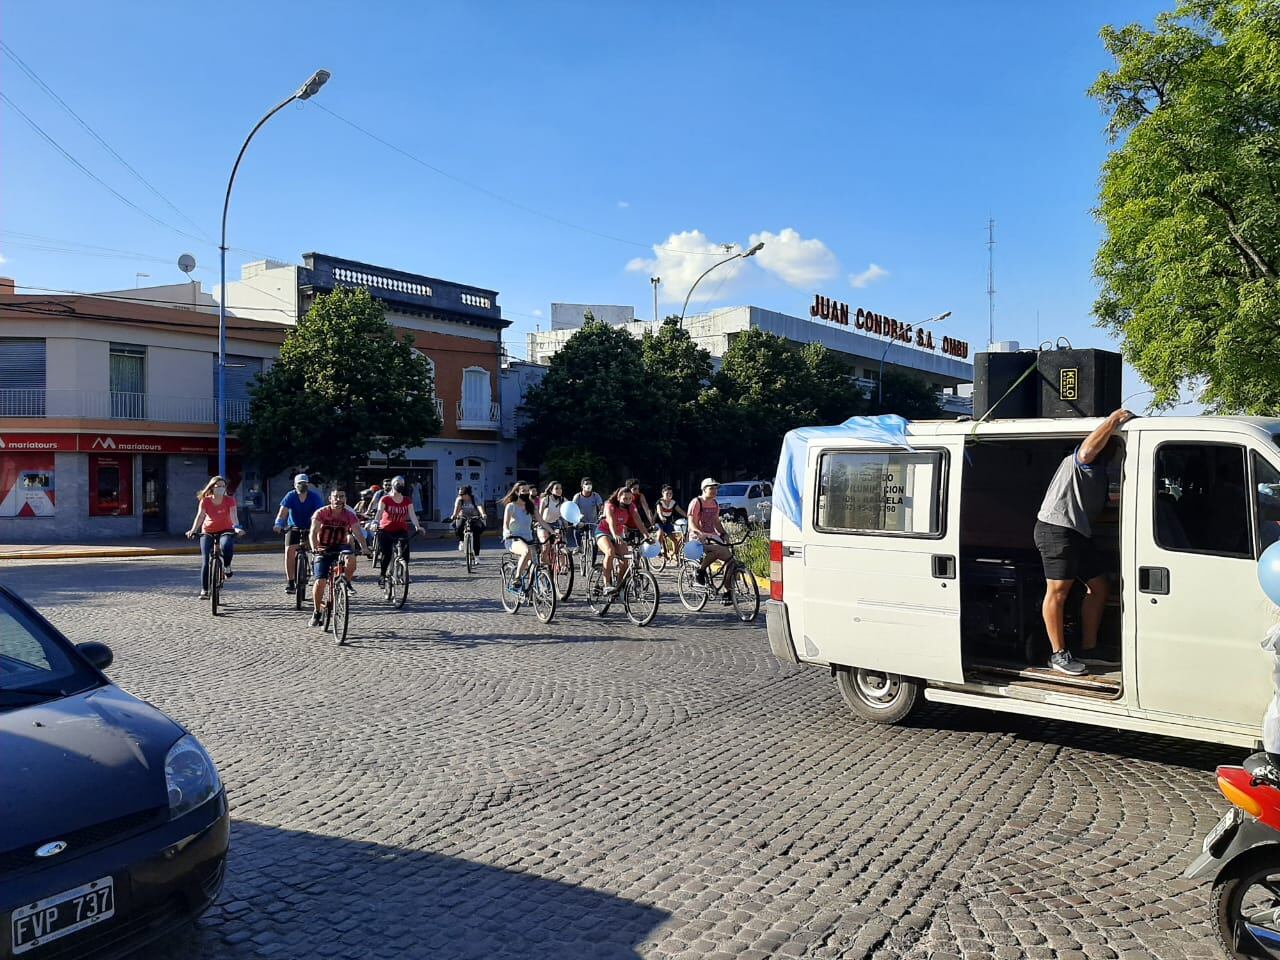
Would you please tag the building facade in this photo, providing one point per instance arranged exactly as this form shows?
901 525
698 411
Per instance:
108 414
865 342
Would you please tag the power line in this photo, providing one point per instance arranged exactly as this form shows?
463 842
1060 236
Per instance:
500 197
93 133
149 300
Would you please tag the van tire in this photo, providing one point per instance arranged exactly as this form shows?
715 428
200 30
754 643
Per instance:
878 696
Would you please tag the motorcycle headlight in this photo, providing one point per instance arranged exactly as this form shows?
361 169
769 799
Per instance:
190 776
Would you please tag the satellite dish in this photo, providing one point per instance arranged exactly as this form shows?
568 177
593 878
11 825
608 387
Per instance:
186 263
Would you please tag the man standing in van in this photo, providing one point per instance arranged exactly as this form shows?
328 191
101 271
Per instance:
1076 496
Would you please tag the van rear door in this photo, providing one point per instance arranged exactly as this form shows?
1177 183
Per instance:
881 559
1201 521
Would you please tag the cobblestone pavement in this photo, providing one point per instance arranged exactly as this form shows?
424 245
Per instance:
463 783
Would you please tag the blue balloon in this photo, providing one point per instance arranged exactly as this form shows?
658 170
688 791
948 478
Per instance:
1269 572
694 551
571 513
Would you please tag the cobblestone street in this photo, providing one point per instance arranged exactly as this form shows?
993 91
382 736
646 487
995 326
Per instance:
458 782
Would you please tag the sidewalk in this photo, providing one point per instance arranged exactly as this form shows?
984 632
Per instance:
162 545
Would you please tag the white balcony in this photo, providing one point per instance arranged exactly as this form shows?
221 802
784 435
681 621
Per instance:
469 418
117 405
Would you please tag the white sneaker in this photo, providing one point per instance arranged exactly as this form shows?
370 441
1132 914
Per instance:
461 546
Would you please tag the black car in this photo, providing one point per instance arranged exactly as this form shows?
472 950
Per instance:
113 821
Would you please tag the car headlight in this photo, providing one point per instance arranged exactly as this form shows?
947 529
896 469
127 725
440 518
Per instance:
190 776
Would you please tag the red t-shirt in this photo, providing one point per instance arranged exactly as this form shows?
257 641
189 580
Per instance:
334 526
623 517
217 517
703 516
395 516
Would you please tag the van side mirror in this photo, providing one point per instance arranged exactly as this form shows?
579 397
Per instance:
98 654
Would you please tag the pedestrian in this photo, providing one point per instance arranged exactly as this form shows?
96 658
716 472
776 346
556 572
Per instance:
215 517
1063 534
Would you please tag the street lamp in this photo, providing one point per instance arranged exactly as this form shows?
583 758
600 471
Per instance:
880 383
304 92
749 253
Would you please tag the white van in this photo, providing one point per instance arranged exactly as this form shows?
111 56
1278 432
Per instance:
907 568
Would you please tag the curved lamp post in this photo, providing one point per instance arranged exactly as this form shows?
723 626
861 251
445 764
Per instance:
737 256
304 92
880 383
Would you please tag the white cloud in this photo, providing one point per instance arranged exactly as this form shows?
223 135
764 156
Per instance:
681 259
623 204
792 259
2 258
868 276
537 312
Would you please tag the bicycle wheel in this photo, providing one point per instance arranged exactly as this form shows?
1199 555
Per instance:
507 573
564 572
299 581
745 593
400 582
595 590
468 540
215 583
543 594
692 593
341 612
640 597
660 564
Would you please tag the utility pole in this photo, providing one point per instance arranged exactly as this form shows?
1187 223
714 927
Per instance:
991 282
655 281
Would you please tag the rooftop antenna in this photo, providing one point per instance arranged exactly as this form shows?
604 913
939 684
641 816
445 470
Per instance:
991 281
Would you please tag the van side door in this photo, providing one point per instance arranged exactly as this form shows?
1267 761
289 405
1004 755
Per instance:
881 560
1201 523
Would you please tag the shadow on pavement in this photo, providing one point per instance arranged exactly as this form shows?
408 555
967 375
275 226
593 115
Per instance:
318 896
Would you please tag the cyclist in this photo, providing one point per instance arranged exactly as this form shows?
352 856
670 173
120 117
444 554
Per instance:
331 528
666 509
297 508
590 503
215 517
468 512
705 527
518 520
392 520
621 517
549 513
642 504
364 506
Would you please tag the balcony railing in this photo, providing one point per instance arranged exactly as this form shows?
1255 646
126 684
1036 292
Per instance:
117 405
469 418
440 410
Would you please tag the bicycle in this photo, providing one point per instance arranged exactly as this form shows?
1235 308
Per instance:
561 563
588 552
538 589
638 588
301 573
395 586
469 547
217 570
736 585
337 601
675 541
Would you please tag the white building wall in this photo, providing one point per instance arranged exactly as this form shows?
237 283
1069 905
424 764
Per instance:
267 290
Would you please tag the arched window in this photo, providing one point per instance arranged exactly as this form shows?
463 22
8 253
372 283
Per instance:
430 363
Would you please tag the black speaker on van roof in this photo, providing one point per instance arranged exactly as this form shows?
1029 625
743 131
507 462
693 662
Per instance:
997 374
1079 383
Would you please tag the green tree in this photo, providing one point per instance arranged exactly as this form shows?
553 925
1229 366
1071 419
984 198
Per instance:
834 394
678 371
1190 201
344 386
595 397
908 396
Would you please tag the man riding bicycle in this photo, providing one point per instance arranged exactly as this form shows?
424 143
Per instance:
297 508
392 519
705 528
331 529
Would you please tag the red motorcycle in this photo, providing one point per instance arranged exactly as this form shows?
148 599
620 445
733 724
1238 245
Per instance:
1242 854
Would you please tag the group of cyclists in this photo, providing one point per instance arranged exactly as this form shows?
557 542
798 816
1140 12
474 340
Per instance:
384 515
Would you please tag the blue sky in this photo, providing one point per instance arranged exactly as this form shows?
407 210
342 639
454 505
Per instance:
881 135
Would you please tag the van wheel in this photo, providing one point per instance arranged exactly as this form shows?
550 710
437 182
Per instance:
878 696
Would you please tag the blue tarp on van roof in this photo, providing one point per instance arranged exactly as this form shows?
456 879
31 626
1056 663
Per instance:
889 429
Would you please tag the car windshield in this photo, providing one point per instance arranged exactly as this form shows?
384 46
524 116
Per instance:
733 490
34 665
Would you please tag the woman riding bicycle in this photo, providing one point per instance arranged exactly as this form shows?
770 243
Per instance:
549 513
215 517
468 512
392 519
518 520
621 517
665 511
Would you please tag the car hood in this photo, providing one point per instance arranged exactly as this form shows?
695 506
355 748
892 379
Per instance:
79 761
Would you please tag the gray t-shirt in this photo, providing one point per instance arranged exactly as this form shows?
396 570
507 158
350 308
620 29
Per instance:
1077 494
590 507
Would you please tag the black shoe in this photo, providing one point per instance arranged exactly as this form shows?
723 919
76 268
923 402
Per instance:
701 577
227 572
291 587
316 618
382 583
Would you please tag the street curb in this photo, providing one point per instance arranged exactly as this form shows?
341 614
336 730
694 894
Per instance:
128 553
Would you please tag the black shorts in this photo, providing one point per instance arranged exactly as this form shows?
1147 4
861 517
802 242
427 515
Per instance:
1067 554
292 536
